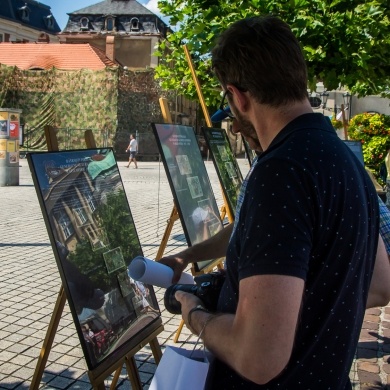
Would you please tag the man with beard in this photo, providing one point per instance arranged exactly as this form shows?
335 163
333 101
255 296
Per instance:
300 257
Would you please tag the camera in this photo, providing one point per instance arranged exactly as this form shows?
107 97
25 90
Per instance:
207 289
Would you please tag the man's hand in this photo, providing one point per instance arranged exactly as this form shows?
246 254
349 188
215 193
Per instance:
188 302
177 262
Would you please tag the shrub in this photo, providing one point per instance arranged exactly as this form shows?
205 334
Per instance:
373 131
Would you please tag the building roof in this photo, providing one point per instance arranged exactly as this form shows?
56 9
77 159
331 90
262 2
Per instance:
29 13
49 55
114 7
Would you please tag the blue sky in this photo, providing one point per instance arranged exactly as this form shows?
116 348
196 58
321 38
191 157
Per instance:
60 8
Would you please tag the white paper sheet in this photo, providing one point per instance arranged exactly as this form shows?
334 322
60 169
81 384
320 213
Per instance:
177 371
154 273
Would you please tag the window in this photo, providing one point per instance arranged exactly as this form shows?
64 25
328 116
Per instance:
134 24
1 38
110 24
84 23
49 21
65 223
24 13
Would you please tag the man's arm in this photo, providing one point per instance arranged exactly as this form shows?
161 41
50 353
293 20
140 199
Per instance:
212 248
257 341
379 293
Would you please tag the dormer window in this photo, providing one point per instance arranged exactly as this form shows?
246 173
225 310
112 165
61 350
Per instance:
49 21
24 13
110 23
84 22
134 24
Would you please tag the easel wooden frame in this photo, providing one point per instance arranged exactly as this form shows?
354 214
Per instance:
96 377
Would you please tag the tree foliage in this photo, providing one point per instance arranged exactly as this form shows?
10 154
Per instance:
345 42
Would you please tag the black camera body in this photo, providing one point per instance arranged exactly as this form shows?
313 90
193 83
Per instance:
207 289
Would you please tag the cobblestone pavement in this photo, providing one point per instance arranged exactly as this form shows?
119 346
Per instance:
30 283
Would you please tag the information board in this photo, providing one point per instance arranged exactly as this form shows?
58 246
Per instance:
94 239
189 182
225 164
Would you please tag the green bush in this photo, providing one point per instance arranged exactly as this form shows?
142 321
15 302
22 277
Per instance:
373 131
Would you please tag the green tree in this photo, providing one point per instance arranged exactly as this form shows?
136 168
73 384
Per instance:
345 42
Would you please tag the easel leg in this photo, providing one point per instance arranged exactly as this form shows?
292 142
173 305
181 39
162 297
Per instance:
179 329
156 350
115 378
133 374
48 342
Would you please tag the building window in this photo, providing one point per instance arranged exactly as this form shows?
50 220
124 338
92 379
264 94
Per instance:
49 21
1 38
110 24
65 223
84 22
24 13
134 24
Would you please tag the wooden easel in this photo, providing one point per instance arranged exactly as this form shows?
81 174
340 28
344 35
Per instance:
345 122
96 376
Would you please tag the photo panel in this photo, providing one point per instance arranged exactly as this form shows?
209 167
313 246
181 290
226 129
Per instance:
189 182
225 163
94 239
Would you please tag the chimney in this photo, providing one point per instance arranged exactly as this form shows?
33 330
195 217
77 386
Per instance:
110 47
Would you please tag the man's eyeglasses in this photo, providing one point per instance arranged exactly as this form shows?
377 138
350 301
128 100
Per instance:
225 107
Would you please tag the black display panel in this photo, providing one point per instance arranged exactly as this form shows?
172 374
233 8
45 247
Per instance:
225 164
189 182
94 239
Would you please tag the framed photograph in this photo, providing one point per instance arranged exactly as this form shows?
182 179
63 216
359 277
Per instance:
225 163
94 239
190 184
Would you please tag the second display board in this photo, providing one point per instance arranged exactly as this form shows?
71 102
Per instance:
190 184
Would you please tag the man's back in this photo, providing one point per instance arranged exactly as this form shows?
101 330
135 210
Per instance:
310 211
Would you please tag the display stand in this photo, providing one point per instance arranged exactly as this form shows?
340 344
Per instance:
96 376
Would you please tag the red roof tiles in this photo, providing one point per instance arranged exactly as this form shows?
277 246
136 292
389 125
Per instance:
61 56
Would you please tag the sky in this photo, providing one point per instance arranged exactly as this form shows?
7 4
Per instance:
60 8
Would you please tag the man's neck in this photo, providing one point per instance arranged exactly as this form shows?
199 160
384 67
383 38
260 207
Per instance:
269 121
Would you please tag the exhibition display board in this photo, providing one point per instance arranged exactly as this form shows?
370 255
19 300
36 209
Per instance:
94 239
190 184
225 163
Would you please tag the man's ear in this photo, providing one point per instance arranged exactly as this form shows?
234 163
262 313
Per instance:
239 98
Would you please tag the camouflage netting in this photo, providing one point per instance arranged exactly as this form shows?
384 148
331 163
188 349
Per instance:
112 103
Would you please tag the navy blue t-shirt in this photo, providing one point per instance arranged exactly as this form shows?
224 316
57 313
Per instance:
309 211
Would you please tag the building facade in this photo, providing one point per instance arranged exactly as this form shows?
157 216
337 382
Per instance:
27 21
124 29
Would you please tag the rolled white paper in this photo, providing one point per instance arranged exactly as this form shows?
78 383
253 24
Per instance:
154 273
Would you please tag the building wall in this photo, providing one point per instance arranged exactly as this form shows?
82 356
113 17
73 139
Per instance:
15 32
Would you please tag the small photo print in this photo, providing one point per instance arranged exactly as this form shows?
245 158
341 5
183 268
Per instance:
13 157
3 154
183 164
114 260
195 187
124 283
222 152
214 228
3 127
230 169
